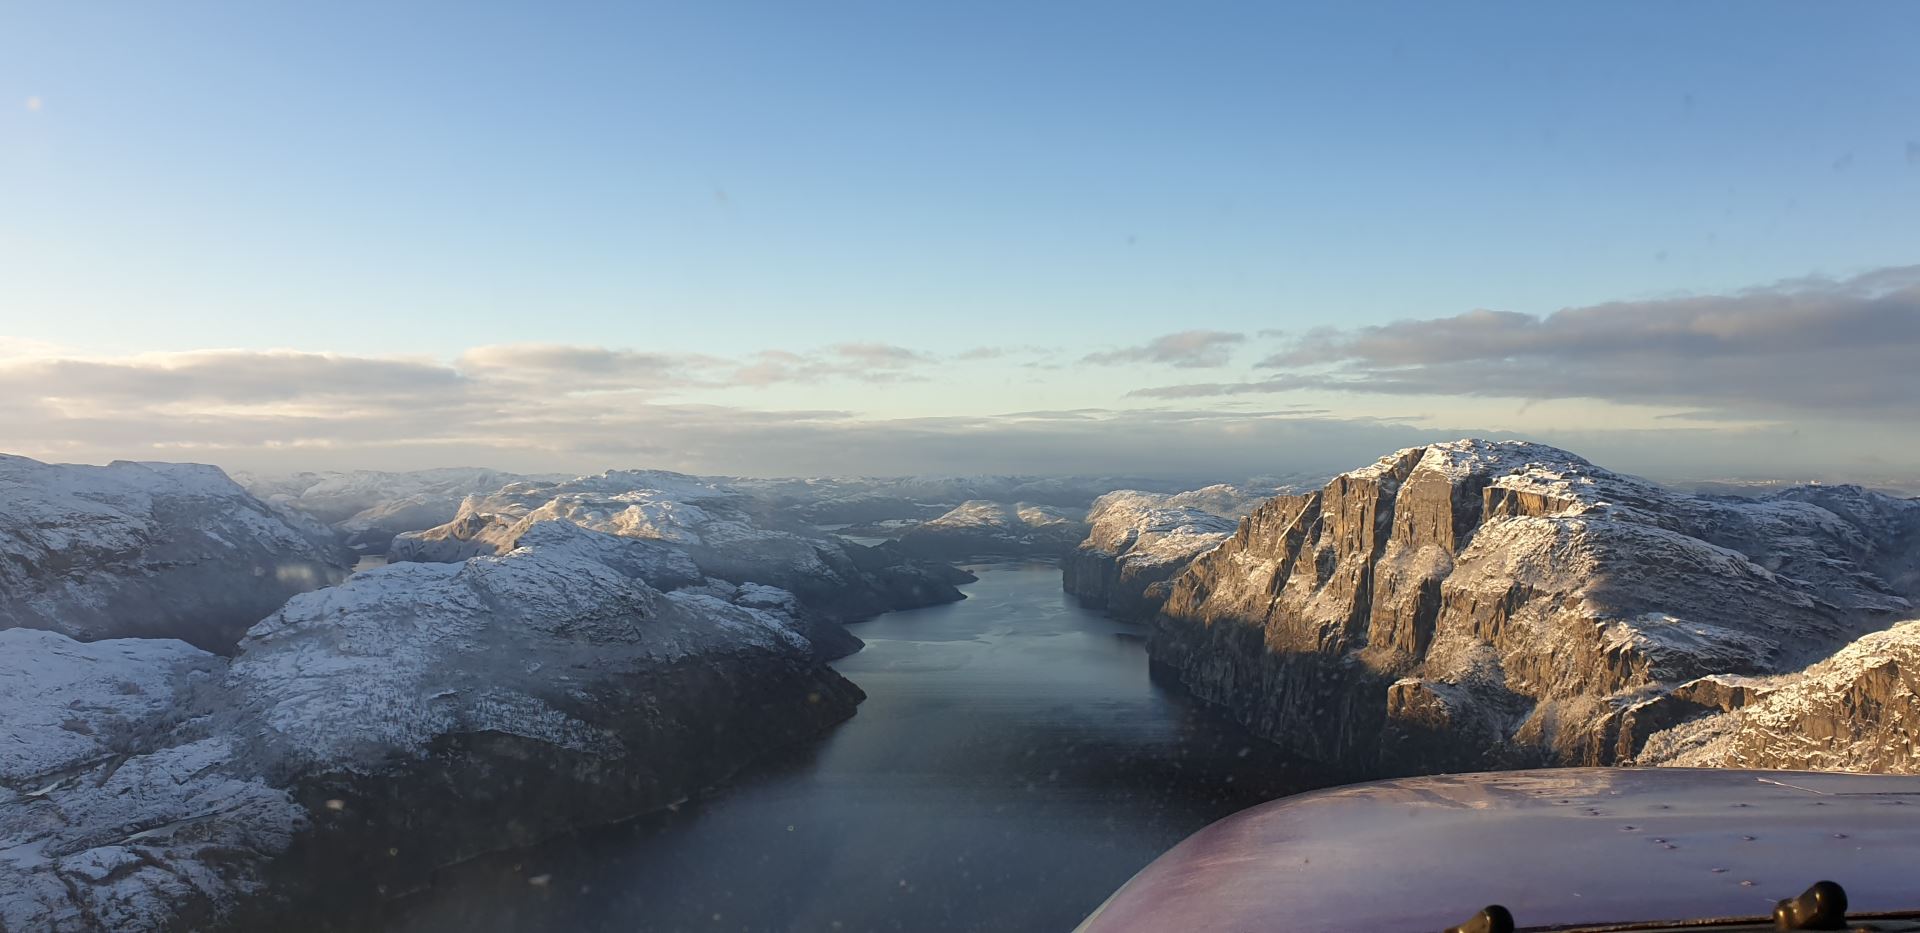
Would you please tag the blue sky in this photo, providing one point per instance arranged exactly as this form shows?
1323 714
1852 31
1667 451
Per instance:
383 180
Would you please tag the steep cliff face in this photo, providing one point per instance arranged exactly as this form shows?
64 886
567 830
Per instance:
1485 604
366 734
1139 541
1856 711
712 523
158 550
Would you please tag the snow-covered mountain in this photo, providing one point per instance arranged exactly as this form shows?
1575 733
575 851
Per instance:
173 550
1856 711
1477 604
982 528
369 507
720 527
429 711
1138 541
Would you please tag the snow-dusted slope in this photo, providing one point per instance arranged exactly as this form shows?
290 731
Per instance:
1139 541
1478 603
148 549
121 806
715 524
431 711
1856 711
980 528
369 507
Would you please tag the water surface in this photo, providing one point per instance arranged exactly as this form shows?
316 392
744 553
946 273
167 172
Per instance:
1012 765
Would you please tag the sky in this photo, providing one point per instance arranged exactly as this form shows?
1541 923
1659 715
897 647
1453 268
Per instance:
1194 239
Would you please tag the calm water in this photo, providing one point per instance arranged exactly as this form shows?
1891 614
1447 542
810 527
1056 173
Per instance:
1012 766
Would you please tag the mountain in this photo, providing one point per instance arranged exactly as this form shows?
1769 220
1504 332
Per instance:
980 528
720 528
171 550
1139 541
1487 604
369 733
1855 711
369 507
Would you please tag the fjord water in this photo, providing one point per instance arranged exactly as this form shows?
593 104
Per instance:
1012 765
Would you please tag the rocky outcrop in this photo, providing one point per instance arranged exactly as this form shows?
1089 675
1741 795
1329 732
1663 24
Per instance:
368 733
1139 541
979 528
1478 604
716 526
1856 711
159 550
369 507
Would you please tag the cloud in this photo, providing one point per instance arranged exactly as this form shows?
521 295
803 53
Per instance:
542 407
574 365
531 408
1189 349
863 362
1813 346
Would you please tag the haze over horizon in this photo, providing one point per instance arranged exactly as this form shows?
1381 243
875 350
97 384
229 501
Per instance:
866 239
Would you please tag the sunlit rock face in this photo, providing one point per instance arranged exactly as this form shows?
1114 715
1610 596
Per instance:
365 734
980 528
1482 604
1856 711
1139 541
159 550
368 507
713 524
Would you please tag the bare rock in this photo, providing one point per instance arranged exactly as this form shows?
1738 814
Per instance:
1537 599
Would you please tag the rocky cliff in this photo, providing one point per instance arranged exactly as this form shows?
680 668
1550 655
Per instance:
1139 541
170 550
712 523
1856 711
369 733
1480 604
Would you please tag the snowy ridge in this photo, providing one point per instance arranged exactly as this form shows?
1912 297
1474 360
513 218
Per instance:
683 518
979 527
1138 541
155 549
1858 710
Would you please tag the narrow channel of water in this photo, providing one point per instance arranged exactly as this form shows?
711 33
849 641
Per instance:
1012 765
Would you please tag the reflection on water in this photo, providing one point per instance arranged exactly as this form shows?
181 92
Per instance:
1012 766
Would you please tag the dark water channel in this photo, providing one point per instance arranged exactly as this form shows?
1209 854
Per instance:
1012 766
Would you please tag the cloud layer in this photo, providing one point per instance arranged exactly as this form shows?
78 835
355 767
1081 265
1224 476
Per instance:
1796 377
586 408
1840 349
1188 349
